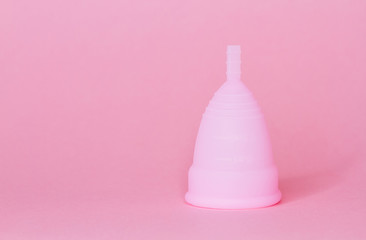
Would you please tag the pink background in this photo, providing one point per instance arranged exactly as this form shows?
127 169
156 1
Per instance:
100 103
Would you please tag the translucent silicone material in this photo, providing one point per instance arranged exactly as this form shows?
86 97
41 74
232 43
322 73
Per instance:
233 166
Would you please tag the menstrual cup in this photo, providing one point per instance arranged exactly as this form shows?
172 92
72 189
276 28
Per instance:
232 165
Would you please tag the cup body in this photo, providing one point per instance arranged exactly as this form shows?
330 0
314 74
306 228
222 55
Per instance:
233 166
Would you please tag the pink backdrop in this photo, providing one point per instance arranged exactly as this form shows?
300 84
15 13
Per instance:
100 103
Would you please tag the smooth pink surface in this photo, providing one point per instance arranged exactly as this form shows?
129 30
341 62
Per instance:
100 103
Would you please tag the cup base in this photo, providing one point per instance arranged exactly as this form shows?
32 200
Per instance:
229 203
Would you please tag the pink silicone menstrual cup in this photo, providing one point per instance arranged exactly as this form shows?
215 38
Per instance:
233 166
